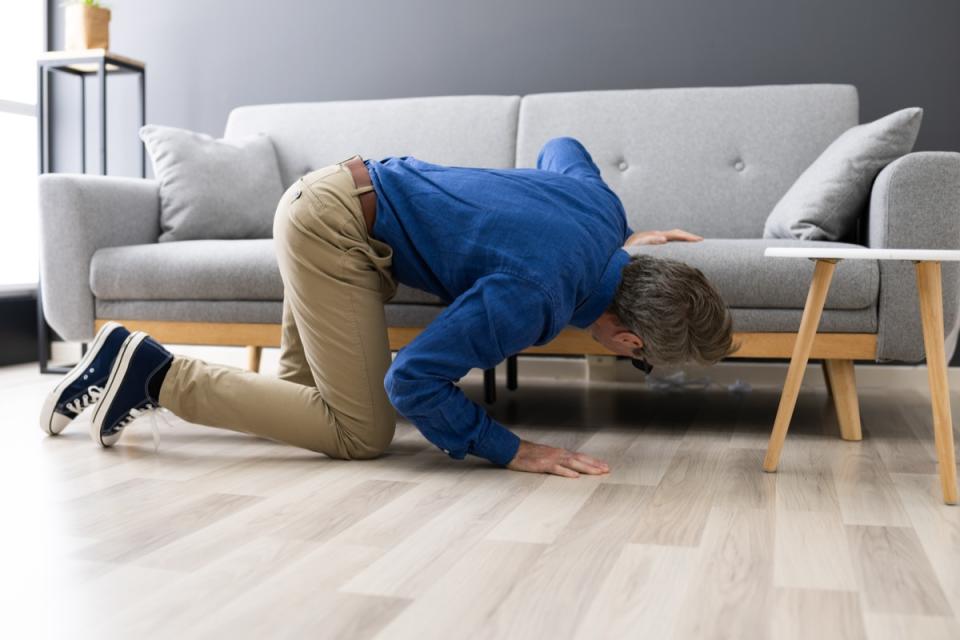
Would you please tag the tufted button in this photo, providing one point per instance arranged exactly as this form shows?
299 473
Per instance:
739 165
622 165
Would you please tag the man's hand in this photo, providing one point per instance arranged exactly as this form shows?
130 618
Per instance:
539 458
661 237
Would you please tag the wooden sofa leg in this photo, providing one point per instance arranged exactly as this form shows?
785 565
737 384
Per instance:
253 358
842 383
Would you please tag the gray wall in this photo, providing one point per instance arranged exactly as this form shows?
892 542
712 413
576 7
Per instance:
206 57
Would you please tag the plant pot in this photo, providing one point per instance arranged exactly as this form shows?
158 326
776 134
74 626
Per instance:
86 27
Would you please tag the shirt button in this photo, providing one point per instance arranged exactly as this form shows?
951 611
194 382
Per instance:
623 165
446 451
739 165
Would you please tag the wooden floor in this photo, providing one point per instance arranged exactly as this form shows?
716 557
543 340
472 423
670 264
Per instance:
219 535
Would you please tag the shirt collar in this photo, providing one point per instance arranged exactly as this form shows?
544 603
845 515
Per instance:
599 300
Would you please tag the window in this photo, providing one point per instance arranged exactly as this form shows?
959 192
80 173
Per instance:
21 41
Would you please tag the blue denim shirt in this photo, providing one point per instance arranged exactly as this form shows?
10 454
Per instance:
518 254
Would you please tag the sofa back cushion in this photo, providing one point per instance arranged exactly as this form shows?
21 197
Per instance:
714 161
213 188
479 131
826 200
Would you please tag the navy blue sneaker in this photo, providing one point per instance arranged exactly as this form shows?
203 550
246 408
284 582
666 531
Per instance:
125 395
83 385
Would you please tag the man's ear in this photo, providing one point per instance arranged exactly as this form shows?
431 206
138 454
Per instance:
628 339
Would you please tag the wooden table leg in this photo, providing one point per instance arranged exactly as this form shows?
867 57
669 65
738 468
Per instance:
930 288
816 296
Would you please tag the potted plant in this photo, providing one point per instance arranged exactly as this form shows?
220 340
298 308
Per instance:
86 25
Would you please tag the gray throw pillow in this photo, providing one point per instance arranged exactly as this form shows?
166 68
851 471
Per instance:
827 198
210 188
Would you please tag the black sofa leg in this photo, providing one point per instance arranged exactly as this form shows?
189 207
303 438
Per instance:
490 385
512 373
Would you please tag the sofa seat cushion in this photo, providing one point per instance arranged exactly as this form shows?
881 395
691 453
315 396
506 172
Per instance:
188 270
200 270
746 279
247 270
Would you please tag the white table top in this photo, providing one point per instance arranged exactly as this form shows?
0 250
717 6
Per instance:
913 255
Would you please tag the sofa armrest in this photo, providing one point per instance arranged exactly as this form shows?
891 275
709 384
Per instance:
915 204
78 215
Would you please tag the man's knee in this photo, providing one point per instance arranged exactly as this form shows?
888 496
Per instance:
367 443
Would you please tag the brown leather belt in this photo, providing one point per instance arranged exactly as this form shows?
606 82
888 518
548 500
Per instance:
368 200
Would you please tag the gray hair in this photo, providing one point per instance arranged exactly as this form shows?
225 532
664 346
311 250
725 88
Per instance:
675 310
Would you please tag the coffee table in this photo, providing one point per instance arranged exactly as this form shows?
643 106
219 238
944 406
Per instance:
930 289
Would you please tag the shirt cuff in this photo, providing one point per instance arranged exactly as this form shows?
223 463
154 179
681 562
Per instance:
499 445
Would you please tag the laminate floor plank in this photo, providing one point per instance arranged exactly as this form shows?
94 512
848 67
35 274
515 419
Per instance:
805 479
811 552
732 581
938 528
904 627
900 449
173 609
865 490
86 609
304 601
462 599
802 614
895 574
322 522
552 597
408 512
541 516
645 460
167 525
421 558
739 484
642 596
677 511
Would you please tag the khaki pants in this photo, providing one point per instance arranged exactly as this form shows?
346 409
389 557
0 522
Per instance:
329 396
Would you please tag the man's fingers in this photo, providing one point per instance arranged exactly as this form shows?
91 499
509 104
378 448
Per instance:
599 464
560 470
585 467
680 234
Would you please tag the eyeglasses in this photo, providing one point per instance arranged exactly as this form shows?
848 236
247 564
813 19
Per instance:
642 364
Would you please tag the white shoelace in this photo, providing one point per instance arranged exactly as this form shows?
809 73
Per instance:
78 404
153 411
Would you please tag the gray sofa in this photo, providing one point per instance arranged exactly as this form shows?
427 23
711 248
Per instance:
710 160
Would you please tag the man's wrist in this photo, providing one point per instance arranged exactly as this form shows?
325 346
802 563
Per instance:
499 445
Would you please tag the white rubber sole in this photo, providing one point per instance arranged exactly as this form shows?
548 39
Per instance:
117 374
52 422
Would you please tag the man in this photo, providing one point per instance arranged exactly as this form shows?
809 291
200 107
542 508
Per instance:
517 253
